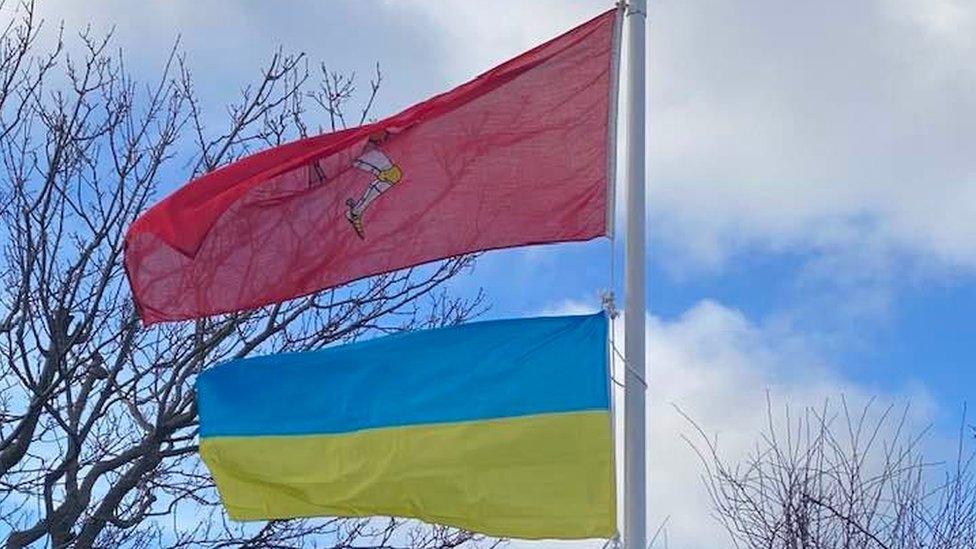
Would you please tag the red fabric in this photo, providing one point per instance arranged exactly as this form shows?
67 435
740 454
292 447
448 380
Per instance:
517 156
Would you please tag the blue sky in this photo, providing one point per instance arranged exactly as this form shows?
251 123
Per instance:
812 186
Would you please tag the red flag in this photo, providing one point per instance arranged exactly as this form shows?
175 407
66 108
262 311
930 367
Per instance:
519 155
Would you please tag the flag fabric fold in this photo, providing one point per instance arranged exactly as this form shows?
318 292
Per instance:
520 155
499 427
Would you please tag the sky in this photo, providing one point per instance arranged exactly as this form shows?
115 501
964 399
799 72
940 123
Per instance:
812 190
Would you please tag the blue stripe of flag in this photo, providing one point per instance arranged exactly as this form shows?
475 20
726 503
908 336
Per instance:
477 371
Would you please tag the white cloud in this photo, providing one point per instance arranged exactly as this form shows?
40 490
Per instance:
785 125
571 307
477 36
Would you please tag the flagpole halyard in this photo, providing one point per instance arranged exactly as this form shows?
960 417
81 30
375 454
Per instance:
635 415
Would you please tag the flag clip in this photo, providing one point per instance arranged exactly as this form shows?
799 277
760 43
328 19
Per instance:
609 304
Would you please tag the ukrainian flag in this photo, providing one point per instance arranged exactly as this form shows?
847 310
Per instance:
499 427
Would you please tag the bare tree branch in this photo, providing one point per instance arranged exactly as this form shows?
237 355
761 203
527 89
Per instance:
833 479
98 420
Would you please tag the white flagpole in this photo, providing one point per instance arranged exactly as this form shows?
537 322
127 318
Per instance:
635 428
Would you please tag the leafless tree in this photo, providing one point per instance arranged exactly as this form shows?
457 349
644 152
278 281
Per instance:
842 478
98 439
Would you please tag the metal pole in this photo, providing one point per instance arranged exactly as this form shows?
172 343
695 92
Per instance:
635 414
